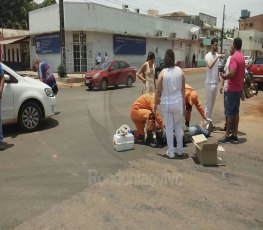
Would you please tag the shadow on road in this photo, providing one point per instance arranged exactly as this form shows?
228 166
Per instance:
13 130
185 156
97 89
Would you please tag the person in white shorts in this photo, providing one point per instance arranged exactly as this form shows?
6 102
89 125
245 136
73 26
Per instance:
212 78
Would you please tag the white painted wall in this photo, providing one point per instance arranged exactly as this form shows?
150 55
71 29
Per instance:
86 16
251 40
12 33
44 20
103 42
100 23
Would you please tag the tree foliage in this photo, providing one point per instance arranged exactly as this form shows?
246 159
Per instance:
14 13
229 33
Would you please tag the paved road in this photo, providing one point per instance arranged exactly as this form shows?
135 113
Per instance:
44 168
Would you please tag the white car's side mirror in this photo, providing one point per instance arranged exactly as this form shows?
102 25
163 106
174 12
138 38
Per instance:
7 77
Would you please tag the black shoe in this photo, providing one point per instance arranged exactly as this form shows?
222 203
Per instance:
234 139
2 146
151 143
138 141
224 140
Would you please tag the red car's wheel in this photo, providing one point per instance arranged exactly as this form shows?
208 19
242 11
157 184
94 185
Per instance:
104 84
129 82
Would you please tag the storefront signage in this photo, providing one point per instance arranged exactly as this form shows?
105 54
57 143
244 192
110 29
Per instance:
129 45
48 43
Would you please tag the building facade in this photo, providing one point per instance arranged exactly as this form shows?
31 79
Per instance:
251 23
201 39
251 33
14 48
91 28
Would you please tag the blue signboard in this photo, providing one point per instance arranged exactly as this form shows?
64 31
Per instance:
129 45
48 43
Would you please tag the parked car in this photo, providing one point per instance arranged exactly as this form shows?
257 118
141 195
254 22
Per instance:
257 70
112 73
248 60
159 65
25 101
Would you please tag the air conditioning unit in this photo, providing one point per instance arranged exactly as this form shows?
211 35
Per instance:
159 33
125 8
172 35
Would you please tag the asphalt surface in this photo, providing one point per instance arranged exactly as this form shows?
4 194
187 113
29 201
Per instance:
72 150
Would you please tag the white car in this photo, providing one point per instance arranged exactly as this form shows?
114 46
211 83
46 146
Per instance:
248 60
25 101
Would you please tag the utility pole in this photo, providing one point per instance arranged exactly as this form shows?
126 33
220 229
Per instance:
62 33
222 31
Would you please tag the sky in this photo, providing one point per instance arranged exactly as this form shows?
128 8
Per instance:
191 7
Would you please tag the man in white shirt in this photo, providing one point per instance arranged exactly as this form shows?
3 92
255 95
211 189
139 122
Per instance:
105 58
212 78
98 59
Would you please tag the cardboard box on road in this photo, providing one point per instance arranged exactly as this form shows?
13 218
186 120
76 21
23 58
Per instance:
206 153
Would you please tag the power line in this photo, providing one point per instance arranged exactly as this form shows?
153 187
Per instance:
125 3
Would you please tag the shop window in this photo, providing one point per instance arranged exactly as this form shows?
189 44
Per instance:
76 38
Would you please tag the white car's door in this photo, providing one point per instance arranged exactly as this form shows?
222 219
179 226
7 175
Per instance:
7 101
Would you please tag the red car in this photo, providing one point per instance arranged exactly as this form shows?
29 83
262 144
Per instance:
112 73
257 70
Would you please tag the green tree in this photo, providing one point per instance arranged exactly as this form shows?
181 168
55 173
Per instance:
229 33
46 3
14 13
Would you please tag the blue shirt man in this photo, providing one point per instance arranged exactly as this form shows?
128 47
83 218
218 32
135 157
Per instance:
45 74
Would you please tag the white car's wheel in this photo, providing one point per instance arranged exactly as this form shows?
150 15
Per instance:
30 116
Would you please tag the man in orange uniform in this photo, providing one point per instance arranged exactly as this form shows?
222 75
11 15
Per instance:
142 111
191 99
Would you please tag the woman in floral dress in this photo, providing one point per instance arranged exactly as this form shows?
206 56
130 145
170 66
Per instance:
147 74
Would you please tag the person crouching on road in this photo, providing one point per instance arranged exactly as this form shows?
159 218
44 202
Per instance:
142 113
45 74
170 93
191 98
